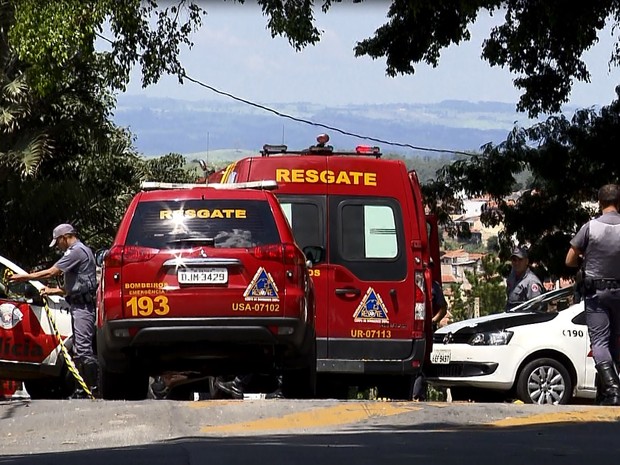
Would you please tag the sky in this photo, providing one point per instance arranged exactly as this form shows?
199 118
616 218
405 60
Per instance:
235 53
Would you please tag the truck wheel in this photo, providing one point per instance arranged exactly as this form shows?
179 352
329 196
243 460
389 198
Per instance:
544 381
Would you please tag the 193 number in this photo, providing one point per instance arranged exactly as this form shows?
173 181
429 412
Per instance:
146 306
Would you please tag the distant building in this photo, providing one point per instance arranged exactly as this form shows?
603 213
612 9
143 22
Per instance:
455 263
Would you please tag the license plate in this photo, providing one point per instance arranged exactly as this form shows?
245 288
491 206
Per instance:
440 357
203 276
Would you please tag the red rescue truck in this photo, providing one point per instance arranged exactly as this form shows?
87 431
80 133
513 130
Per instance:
360 219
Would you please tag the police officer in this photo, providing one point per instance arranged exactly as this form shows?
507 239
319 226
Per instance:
598 244
80 284
522 284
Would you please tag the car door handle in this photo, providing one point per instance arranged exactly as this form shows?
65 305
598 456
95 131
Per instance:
347 290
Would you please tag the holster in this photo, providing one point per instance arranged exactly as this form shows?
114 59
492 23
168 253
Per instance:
80 299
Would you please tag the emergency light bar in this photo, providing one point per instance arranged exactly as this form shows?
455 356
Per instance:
367 150
264 184
268 148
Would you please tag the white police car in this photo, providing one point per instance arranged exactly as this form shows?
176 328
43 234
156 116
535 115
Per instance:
539 352
29 347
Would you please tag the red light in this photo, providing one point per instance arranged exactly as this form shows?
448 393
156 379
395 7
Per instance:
288 253
268 252
119 255
366 149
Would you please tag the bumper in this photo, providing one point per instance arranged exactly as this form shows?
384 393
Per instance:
22 371
491 367
385 365
195 343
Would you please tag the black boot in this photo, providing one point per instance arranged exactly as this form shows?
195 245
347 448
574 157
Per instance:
610 383
91 377
79 392
234 388
277 394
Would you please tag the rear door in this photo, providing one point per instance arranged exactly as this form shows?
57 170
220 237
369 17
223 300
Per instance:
370 298
432 229
202 257
307 216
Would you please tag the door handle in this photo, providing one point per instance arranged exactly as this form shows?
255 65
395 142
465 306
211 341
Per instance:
347 290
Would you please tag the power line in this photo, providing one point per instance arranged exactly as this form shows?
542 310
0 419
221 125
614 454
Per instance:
304 121
321 125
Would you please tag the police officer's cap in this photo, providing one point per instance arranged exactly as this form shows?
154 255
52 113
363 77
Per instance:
61 230
519 252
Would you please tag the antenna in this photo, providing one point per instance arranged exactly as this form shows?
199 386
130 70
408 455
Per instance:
282 134
207 148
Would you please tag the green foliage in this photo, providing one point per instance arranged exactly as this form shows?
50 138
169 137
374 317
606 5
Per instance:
541 42
458 308
56 37
170 168
487 288
426 167
568 160
493 244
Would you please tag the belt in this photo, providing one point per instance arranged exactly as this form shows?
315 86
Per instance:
602 284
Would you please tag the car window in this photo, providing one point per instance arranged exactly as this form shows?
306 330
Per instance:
553 301
15 290
306 217
368 237
189 223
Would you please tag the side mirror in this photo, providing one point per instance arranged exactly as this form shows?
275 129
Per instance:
33 296
99 256
314 253
36 300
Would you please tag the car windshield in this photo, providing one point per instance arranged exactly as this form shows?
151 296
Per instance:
552 301
14 290
211 223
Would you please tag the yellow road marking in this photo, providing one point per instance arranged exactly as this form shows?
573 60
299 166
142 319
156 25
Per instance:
594 415
328 416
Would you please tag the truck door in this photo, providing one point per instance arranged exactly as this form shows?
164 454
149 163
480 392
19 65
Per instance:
307 215
370 295
432 229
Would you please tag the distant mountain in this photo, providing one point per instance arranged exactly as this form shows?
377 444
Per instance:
164 125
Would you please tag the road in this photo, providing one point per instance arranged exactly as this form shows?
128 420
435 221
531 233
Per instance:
303 433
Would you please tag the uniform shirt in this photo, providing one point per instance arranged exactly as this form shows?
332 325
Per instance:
438 299
523 289
78 260
599 240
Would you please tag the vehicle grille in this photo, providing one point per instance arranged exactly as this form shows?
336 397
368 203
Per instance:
460 370
452 338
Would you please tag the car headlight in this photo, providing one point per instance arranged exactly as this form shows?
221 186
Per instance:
491 338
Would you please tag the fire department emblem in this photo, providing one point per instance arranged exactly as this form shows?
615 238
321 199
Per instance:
371 309
262 288
10 316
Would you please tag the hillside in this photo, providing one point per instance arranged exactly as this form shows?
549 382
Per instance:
165 125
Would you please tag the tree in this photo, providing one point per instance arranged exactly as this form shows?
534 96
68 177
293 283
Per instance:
61 159
54 37
568 161
487 288
541 42
169 168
